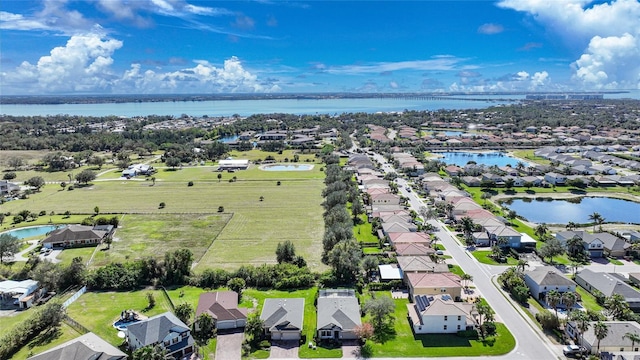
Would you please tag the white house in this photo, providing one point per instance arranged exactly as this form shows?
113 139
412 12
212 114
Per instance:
555 178
546 278
439 314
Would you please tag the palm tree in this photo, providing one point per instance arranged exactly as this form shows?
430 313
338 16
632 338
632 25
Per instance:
582 322
553 300
601 330
569 299
541 230
522 263
633 337
571 226
485 195
597 219
467 278
520 166
616 306
575 247
449 209
574 266
467 229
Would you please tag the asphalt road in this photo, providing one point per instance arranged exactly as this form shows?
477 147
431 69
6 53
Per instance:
531 344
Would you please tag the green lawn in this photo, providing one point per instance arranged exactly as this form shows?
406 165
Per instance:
484 257
588 301
362 231
46 341
97 311
290 211
530 157
406 344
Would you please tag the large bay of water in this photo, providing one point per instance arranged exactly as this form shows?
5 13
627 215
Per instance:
563 211
250 107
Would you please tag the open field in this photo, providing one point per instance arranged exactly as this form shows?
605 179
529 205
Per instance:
153 235
290 211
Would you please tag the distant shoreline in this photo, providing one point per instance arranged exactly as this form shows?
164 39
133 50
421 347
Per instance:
142 98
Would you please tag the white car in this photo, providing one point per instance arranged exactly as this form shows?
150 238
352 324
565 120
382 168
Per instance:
572 350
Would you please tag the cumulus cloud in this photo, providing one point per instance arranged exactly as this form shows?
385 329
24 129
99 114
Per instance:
520 81
608 35
490 29
84 64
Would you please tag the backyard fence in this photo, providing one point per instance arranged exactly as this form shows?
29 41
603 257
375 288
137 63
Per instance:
75 325
166 296
74 297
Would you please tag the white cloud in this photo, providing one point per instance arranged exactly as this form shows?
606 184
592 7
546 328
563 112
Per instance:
439 63
521 76
540 79
53 17
608 33
520 81
84 64
490 29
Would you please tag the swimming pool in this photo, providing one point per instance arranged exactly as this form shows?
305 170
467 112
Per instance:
287 167
32 231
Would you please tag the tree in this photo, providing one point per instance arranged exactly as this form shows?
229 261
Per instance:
86 176
183 312
172 162
219 177
237 284
601 330
204 327
364 331
522 264
554 298
63 185
254 327
9 245
509 183
15 162
571 226
551 248
569 299
380 309
9 176
467 279
633 337
151 352
370 265
96 210
467 228
485 312
356 210
597 220
96 161
36 182
582 321
541 231
1 218
575 248
617 307
152 300
344 259
153 180
285 252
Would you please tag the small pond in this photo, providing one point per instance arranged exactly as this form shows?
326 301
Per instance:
229 139
32 231
461 158
287 167
550 211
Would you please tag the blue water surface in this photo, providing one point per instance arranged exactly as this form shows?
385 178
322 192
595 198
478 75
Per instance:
32 231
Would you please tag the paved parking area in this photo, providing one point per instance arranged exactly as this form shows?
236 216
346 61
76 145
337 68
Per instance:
284 350
229 346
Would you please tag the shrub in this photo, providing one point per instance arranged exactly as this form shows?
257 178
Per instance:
70 188
265 344
190 183
220 209
468 334
9 176
162 205
42 213
548 320
489 328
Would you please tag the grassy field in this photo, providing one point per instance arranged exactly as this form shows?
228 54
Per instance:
289 211
46 341
530 157
97 311
405 344
588 301
484 257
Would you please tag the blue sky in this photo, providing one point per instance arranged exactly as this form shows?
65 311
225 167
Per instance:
265 46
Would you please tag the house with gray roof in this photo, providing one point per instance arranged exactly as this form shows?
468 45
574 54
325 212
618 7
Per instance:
86 347
609 284
543 279
440 314
593 243
615 341
282 318
338 314
420 264
165 330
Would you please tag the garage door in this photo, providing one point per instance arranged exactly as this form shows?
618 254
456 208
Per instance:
290 336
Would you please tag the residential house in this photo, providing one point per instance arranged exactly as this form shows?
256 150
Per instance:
615 341
283 318
6 187
385 199
398 227
594 243
555 178
416 249
86 347
512 237
165 330
222 306
434 284
338 314
543 279
77 236
439 314
23 293
609 284
420 264
397 238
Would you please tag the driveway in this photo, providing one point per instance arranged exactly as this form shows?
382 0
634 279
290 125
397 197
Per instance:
229 346
350 349
284 349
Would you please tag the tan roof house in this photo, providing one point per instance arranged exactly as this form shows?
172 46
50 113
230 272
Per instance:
434 284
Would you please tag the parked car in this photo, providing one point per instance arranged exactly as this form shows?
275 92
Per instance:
574 350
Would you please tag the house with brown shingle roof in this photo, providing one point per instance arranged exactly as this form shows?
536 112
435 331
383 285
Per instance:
77 235
434 284
222 306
